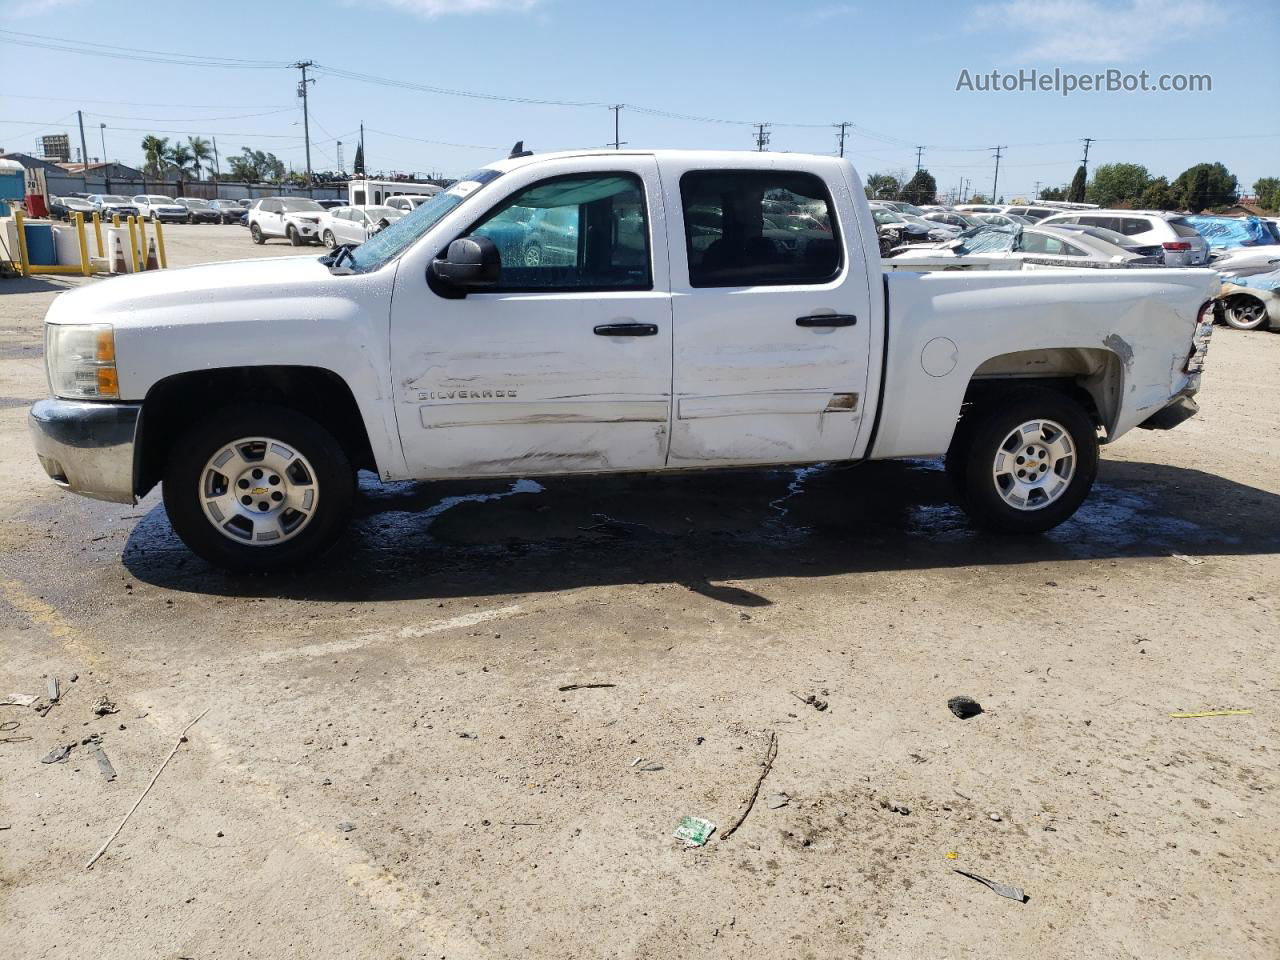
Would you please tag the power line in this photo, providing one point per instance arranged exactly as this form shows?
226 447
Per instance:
116 52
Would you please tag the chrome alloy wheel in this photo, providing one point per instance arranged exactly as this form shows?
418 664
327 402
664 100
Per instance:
1034 465
259 491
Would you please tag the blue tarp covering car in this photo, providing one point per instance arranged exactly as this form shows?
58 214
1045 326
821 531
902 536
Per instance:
1228 232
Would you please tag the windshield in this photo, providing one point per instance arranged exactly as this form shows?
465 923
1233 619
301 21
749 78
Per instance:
987 239
388 244
198 204
377 213
885 216
300 206
161 200
112 198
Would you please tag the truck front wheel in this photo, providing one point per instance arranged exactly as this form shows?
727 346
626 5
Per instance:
1029 460
258 489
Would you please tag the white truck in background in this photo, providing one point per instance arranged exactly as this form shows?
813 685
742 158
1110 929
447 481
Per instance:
670 322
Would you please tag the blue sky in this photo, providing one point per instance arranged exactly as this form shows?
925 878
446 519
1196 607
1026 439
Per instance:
890 69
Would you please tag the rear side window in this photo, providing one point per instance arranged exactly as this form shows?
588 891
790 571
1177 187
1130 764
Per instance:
758 228
1132 226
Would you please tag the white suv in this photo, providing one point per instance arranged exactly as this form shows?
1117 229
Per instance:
160 207
296 218
1183 245
406 204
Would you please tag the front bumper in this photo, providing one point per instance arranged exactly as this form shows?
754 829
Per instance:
87 448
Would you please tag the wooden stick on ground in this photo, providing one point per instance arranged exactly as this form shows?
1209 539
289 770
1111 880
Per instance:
751 802
116 832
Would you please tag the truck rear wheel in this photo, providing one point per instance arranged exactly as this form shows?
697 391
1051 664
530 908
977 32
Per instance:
258 489
1029 460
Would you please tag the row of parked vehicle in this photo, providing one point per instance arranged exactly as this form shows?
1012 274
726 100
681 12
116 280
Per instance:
149 205
331 222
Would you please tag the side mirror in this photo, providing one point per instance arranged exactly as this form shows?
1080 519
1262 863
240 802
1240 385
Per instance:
471 263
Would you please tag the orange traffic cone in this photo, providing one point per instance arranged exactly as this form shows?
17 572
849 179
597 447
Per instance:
152 262
118 262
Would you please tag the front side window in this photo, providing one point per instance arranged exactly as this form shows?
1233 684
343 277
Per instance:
580 232
752 228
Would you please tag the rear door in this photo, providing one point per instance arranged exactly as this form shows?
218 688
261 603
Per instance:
772 331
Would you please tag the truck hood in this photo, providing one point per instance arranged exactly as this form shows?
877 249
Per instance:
253 289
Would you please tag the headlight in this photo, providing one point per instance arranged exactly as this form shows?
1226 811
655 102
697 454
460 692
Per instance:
81 360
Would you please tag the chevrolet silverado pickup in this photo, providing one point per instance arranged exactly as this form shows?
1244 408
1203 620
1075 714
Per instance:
686 310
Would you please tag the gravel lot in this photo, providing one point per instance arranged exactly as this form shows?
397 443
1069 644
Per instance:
410 688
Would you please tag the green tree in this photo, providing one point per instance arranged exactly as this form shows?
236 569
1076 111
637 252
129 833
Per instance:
1205 185
154 150
357 168
881 186
1158 196
1115 183
1075 192
977 198
921 188
200 152
1053 193
1268 192
256 166
180 159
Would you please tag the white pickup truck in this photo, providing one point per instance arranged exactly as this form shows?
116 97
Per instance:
674 319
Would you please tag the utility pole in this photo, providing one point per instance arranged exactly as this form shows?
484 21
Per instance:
762 136
306 122
340 167
996 179
1037 196
84 150
843 125
919 152
617 140
216 171
106 164
1085 162
364 157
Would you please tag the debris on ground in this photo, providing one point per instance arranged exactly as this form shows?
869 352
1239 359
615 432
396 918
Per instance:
895 806
995 817
57 754
648 768
8 727
770 754
19 700
586 686
694 831
1212 713
346 826
1013 893
102 706
964 707
54 691
108 771
182 738
813 701
1194 561
777 800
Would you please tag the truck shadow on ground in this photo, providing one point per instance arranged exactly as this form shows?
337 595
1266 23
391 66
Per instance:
421 540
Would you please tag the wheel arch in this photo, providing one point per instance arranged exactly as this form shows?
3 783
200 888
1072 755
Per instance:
1092 376
186 397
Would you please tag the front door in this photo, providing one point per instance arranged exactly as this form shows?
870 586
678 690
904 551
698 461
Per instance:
771 306
565 367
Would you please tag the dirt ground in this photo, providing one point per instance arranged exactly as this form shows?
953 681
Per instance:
410 689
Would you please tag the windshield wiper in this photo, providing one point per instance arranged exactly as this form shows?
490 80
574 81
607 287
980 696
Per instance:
340 253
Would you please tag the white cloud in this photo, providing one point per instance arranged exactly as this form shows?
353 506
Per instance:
1087 31
430 9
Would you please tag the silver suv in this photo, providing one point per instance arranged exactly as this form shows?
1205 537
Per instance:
1182 244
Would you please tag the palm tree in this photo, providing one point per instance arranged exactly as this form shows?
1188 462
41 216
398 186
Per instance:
180 159
199 151
155 149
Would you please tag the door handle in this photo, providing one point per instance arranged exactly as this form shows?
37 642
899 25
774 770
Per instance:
627 330
827 320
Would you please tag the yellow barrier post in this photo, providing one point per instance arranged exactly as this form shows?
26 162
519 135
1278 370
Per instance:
23 264
142 243
97 231
133 246
85 270
164 262
115 219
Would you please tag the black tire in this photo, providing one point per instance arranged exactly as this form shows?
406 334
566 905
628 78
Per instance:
329 240
1243 312
533 255
255 231
294 237
191 218
334 480
990 426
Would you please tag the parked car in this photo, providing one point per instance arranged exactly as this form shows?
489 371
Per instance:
332 204
64 208
901 206
1040 241
953 218
1000 219
892 223
199 211
1119 239
1250 293
937 231
422 354
165 209
295 218
229 211
1182 244
354 224
112 204
977 208
1032 213
406 203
